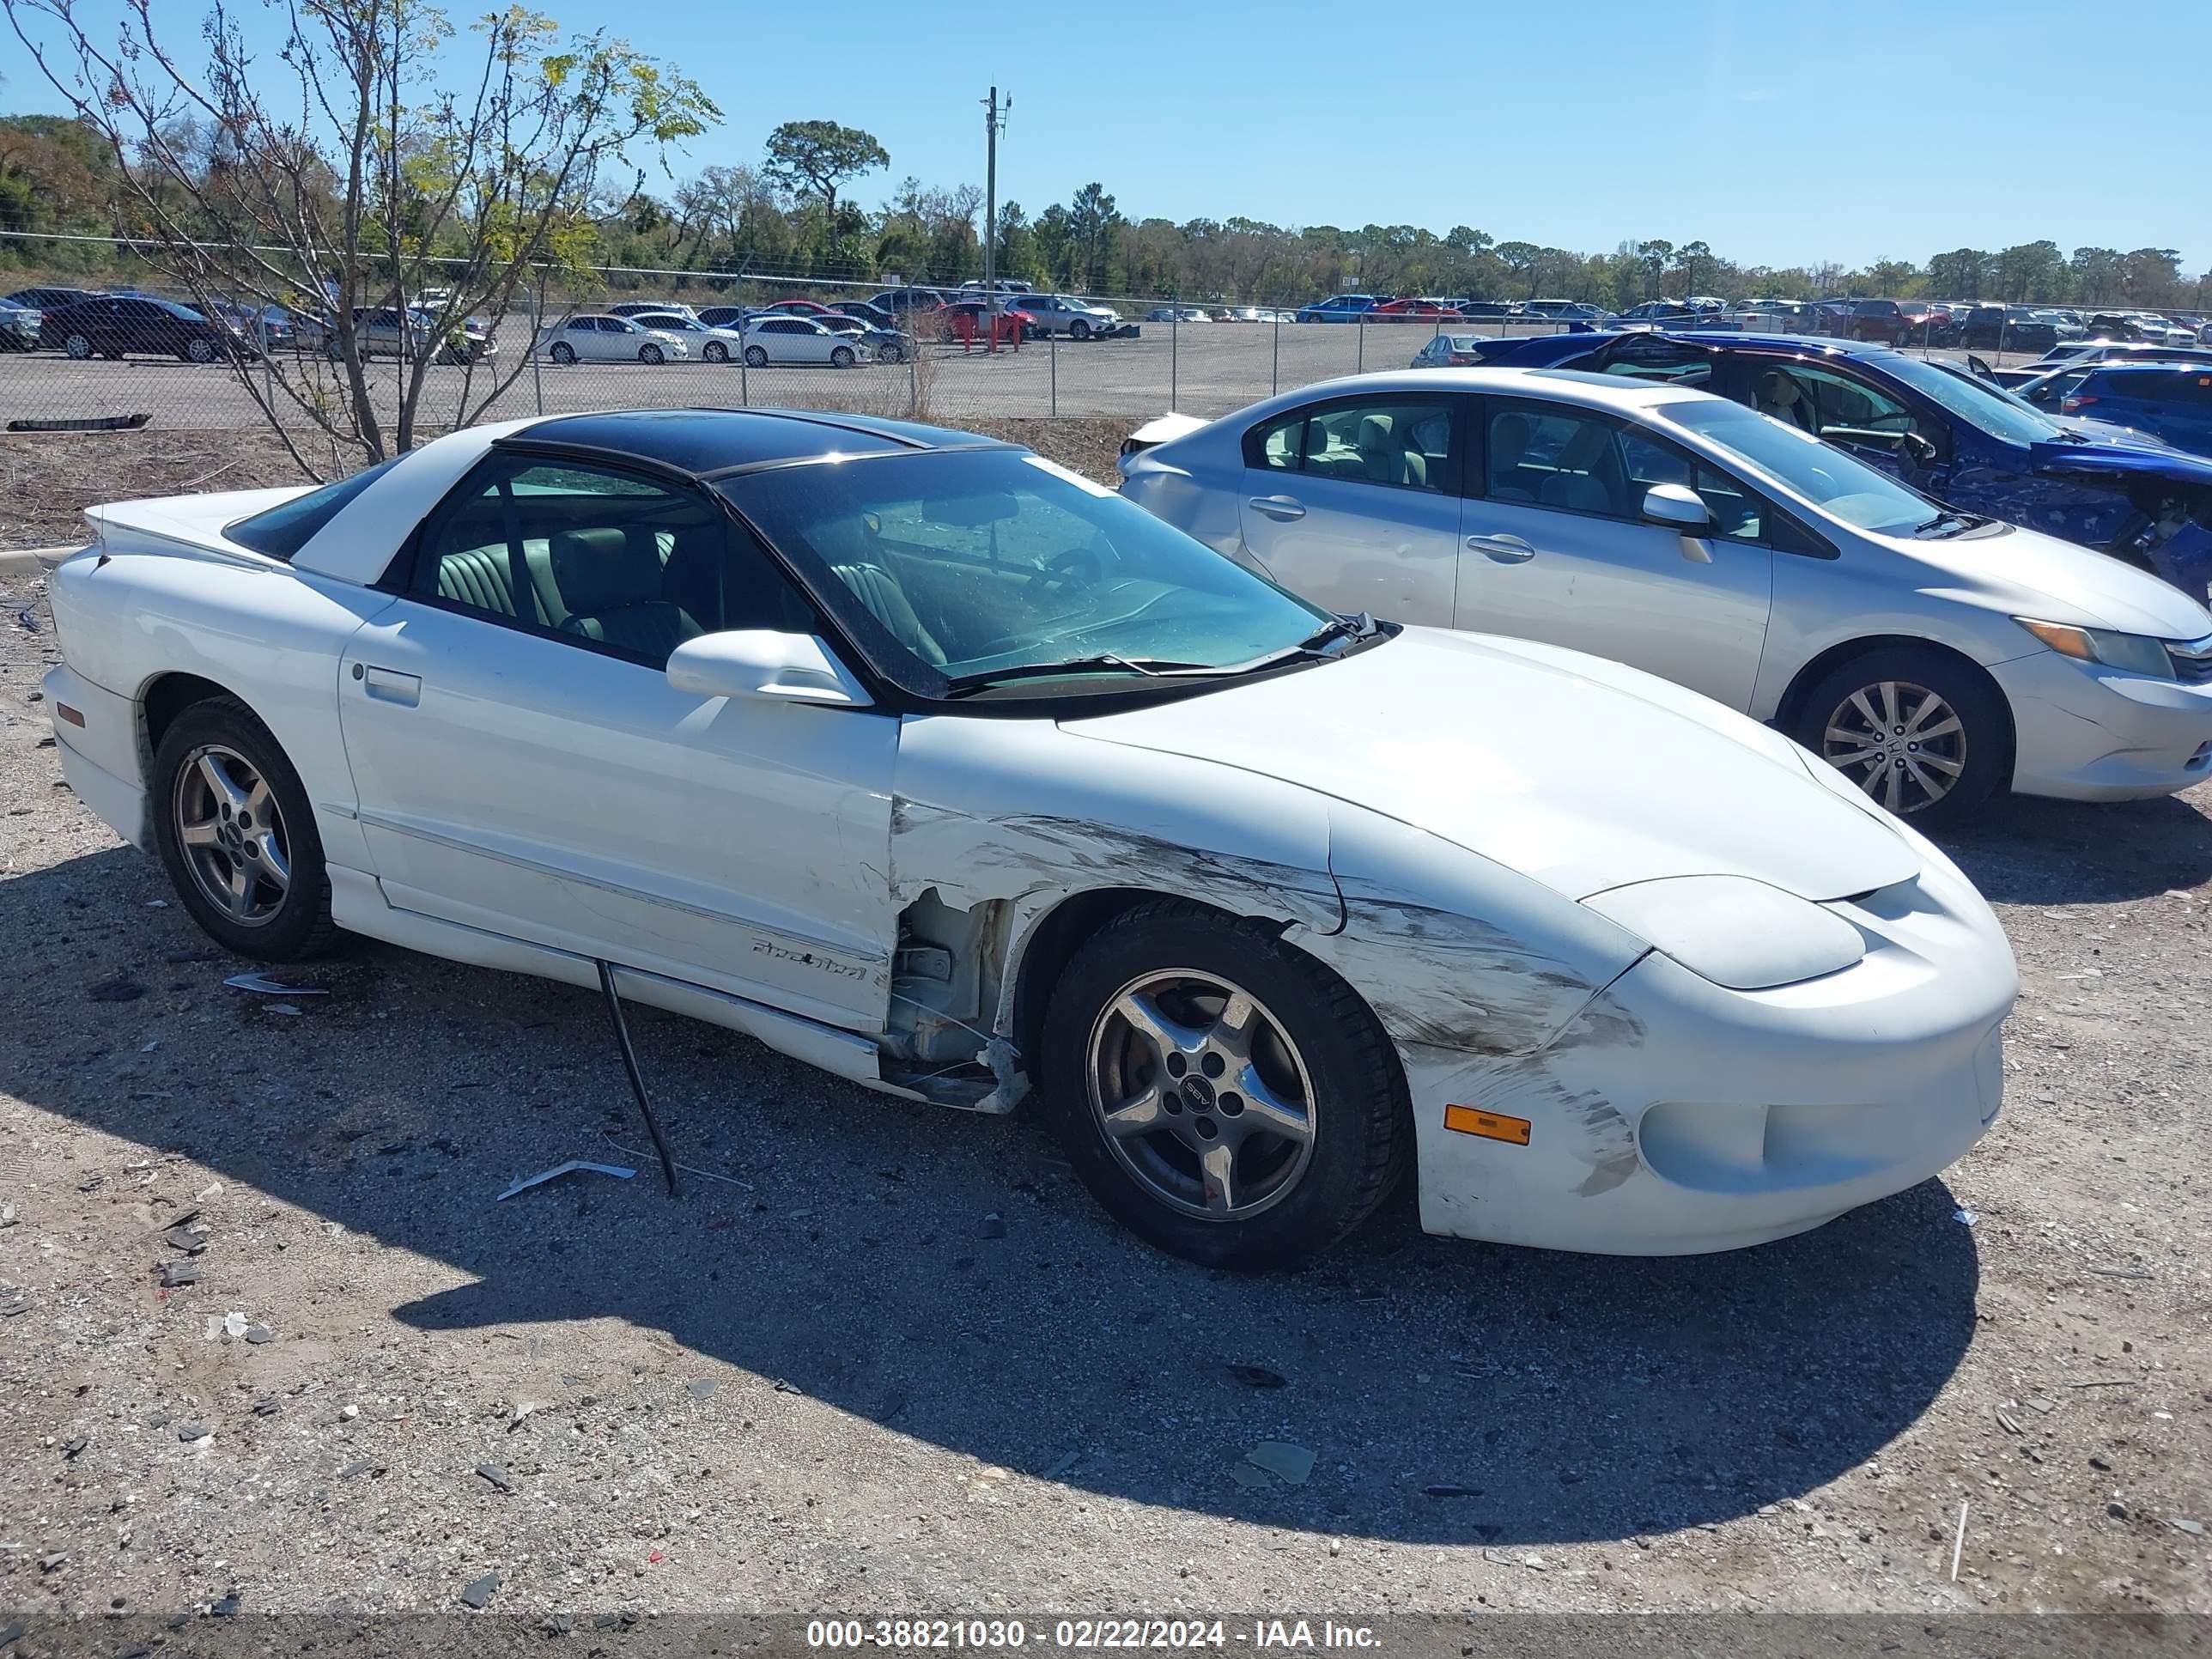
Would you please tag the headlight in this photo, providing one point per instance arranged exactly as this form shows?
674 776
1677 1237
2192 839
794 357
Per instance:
2136 653
1733 930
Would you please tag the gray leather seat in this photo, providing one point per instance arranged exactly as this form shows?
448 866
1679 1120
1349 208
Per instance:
888 603
610 579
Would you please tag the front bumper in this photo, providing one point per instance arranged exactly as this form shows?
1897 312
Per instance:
2088 732
1673 1116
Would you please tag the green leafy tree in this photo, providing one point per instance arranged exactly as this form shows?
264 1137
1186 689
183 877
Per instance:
1961 274
1093 223
352 173
821 156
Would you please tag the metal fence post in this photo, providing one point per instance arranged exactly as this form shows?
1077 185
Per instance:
1275 363
912 380
1052 345
1175 348
745 391
537 362
1359 364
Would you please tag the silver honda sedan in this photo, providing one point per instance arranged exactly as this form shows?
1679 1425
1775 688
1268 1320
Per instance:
1934 656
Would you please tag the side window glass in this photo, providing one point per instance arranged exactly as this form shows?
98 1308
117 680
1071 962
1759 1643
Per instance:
1278 447
601 557
1550 456
1404 441
1661 360
1738 515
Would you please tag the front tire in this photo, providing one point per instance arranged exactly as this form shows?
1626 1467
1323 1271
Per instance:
756 356
841 357
79 347
1224 1096
651 356
562 353
1078 330
715 352
199 350
1924 734
237 836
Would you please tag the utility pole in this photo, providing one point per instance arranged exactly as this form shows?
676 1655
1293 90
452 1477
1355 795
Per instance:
994 122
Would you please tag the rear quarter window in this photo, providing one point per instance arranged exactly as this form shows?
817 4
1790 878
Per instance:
281 531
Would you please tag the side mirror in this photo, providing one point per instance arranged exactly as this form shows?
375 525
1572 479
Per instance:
1679 507
760 662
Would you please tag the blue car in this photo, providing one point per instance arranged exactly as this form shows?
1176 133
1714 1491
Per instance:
2168 401
1339 308
1966 445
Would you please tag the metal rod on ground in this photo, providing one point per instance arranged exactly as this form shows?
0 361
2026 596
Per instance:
745 391
1175 346
1275 363
636 1080
1052 347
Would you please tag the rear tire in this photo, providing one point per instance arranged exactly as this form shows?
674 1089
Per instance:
715 352
562 353
199 351
262 824
1311 1056
756 356
79 347
1936 762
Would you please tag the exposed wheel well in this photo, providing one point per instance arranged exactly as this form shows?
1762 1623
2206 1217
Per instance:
1791 709
1057 937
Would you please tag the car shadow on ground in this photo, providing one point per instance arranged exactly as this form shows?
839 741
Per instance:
2026 850
944 1277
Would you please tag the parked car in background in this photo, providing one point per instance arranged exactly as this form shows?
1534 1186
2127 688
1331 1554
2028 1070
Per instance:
638 307
601 338
1485 311
800 307
19 326
2047 389
1450 350
1063 314
874 316
386 331
1934 656
54 299
117 324
1966 445
1337 308
779 337
2007 328
2145 326
725 316
709 343
2172 401
1880 320
1414 311
885 345
904 300
1095 775
1652 311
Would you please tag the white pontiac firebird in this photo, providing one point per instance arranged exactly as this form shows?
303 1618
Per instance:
925 761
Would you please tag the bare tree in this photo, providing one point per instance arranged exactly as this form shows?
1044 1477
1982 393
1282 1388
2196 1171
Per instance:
362 171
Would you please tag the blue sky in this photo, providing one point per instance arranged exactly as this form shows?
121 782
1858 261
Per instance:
1781 132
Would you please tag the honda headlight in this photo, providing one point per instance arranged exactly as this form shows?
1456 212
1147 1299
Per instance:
2135 654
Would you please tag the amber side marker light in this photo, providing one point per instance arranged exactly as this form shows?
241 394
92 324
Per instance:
1491 1125
69 714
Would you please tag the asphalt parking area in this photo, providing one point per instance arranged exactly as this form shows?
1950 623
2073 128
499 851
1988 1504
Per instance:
884 1355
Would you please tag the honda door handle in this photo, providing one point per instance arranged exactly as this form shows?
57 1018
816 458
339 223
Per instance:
1503 549
1277 507
389 685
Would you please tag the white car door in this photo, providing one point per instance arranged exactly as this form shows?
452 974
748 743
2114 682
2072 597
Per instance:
524 765
1556 549
1354 503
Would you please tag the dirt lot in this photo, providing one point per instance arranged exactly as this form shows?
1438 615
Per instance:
885 1357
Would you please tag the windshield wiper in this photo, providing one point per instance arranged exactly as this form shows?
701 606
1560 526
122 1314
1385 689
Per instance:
1357 627
1149 667
1933 527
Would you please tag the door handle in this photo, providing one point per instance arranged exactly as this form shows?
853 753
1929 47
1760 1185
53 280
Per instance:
1503 550
389 684
1277 507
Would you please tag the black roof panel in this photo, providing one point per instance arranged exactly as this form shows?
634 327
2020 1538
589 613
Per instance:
704 441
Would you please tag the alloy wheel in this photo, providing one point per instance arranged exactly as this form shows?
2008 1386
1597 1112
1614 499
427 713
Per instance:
232 834
1202 1097
1901 743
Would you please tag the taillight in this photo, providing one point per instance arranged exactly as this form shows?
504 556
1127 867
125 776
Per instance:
2071 406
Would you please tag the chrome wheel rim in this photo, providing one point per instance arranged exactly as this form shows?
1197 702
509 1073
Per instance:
1901 743
78 346
1200 1095
232 834
200 351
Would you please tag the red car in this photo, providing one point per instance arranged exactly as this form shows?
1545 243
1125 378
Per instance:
801 308
1408 311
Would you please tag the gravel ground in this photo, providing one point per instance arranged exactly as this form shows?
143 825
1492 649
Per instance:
881 1356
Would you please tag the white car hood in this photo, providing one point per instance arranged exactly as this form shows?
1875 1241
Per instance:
2032 574
1579 773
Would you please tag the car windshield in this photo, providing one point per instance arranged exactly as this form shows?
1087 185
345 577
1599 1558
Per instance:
953 568
1846 488
1974 404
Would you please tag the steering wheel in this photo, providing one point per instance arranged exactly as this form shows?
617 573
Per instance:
1078 564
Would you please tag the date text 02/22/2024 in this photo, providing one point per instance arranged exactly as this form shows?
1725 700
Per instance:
994 1636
